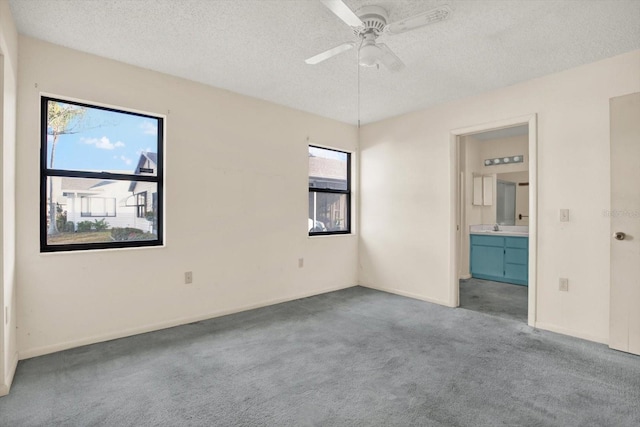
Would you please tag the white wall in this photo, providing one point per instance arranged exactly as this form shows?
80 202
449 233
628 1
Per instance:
8 83
236 209
406 191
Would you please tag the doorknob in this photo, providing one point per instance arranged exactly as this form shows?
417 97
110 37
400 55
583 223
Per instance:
619 235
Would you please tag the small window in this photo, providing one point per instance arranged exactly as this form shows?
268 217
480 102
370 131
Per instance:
97 166
141 201
329 191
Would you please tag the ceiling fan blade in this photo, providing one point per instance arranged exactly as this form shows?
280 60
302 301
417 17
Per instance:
438 14
343 12
329 53
390 59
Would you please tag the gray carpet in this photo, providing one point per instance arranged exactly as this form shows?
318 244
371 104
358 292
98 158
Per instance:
498 299
356 357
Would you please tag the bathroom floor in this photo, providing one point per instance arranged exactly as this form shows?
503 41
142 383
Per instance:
498 299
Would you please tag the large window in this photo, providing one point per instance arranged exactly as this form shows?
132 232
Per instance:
329 191
98 165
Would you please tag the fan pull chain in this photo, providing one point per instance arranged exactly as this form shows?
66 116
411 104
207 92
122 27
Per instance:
358 65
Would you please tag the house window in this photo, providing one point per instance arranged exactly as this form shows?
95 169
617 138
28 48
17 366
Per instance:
97 166
329 191
141 202
97 206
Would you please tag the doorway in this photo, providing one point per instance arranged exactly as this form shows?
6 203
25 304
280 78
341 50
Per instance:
514 264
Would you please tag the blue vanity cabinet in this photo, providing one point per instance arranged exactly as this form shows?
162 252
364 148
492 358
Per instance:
516 260
500 258
487 257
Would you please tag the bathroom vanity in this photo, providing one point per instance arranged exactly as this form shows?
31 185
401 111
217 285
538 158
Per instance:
500 255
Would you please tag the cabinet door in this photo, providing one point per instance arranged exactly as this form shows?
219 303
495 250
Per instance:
516 273
487 261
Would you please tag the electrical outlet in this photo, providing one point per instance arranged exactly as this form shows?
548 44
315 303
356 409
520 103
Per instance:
300 262
564 285
564 215
188 277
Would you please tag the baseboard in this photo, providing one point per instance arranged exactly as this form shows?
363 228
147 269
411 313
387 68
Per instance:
465 277
41 351
6 386
571 332
407 294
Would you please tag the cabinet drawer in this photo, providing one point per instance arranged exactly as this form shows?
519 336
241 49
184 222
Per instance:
516 256
517 242
487 240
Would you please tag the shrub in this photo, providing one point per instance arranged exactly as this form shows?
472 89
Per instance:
68 227
61 218
100 225
128 233
84 226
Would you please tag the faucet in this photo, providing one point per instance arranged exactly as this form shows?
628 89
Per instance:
496 227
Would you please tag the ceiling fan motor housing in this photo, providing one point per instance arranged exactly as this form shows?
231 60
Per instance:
374 19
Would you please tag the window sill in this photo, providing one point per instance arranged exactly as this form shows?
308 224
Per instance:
102 250
317 236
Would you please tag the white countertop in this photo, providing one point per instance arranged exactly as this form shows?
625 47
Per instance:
504 230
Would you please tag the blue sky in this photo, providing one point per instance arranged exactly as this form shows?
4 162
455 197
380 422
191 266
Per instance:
105 141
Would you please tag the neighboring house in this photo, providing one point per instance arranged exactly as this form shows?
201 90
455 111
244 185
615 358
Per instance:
119 203
329 211
146 193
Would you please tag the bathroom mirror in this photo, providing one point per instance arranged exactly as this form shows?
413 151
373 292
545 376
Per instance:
506 203
512 198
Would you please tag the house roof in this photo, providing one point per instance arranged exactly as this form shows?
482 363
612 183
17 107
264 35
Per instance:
79 184
152 156
144 156
322 167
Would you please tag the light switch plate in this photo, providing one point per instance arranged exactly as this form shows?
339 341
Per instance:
564 215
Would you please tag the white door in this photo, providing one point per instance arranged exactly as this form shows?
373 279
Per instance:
624 328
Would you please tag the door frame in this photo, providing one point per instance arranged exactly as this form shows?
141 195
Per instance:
4 386
456 206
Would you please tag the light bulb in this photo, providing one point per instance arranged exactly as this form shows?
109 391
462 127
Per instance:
369 54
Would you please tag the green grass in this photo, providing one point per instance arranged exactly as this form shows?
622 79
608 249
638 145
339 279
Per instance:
85 237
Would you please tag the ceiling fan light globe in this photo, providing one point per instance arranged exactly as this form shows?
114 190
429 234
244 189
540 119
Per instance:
369 54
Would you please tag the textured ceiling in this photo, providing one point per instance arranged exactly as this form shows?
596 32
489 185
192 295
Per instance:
258 47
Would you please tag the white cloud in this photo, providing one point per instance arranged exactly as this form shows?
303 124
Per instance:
149 128
102 143
126 160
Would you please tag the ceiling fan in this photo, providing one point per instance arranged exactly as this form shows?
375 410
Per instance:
368 23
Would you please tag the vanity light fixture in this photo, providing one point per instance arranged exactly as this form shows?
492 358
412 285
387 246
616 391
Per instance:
504 160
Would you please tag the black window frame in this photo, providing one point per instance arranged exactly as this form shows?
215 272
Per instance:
46 173
347 192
